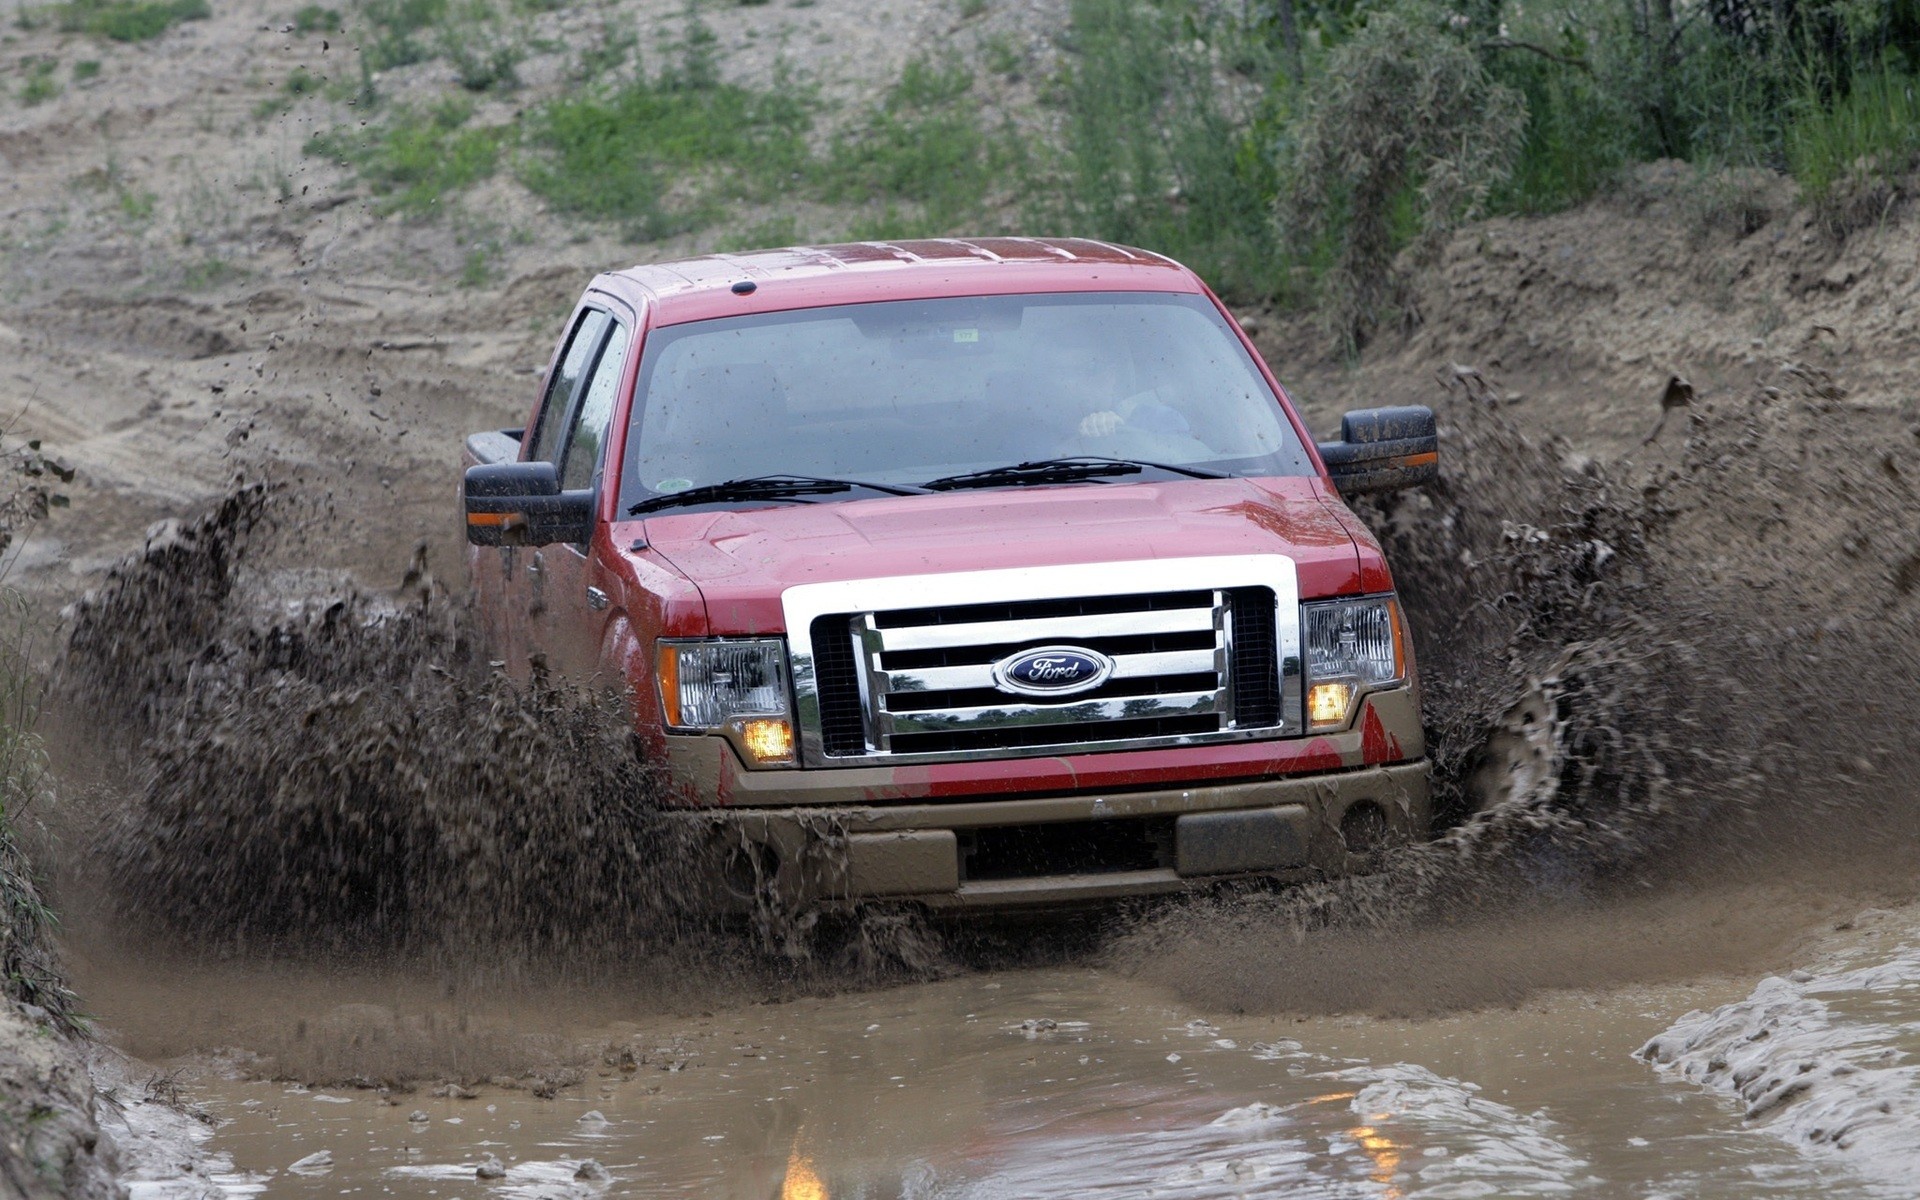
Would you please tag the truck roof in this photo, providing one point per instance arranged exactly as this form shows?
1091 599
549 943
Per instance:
695 289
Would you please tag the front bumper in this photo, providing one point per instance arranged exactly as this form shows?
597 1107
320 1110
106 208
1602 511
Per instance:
1287 829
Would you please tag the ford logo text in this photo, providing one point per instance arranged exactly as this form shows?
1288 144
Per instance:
1052 671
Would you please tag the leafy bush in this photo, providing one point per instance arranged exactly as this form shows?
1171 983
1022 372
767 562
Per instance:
128 20
1405 137
1160 150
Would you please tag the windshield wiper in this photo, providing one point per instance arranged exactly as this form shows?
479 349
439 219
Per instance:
1060 470
766 487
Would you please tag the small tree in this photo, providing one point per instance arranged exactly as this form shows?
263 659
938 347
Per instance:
1405 123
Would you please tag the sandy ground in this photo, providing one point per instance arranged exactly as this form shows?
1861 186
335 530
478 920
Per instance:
262 320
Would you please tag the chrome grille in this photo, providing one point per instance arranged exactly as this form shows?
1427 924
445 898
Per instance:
916 681
1169 664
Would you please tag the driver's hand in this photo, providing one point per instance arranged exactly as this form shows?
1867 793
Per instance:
1104 423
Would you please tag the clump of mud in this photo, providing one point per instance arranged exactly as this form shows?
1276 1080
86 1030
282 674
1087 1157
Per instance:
308 764
1680 670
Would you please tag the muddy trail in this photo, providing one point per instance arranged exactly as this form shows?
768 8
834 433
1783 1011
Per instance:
1631 671
378 897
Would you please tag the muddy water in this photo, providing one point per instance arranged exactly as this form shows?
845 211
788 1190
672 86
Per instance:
1063 1081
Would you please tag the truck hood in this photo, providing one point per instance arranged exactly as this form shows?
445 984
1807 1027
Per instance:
742 560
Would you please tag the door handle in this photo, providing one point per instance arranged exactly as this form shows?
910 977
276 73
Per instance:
596 599
533 567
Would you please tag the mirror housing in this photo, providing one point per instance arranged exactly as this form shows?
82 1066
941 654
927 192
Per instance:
521 504
1383 450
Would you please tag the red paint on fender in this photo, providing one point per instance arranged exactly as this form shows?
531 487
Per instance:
1374 744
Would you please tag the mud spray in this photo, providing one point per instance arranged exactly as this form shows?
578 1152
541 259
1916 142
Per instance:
1642 681
1669 711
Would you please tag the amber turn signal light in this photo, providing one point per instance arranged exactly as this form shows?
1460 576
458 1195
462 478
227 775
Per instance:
768 739
1327 705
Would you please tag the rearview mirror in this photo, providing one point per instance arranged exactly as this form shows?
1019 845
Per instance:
1383 450
521 504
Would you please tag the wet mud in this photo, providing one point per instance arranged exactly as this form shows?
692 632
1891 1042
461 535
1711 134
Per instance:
1059 1081
319 768
1644 681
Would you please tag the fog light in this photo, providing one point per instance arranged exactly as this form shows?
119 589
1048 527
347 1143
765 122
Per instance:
768 739
1327 704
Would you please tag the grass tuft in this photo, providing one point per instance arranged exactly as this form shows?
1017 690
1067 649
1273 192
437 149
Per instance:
127 20
40 86
1849 156
662 154
418 155
1156 152
920 164
315 18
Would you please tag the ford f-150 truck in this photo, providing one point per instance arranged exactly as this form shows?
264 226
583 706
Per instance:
982 573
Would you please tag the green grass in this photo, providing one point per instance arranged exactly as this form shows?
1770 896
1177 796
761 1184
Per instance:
921 163
299 82
85 69
1576 142
314 18
1155 154
127 20
1870 133
664 154
393 24
418 156
40 86
484 53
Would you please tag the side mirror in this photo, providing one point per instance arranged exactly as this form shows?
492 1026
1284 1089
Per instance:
1383 450
521 504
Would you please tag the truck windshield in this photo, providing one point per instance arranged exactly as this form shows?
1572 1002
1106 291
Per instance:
905 392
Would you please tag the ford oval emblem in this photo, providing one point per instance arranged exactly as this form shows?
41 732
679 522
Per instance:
1052 671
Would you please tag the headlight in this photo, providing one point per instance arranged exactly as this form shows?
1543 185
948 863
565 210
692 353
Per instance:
736 687
1352 647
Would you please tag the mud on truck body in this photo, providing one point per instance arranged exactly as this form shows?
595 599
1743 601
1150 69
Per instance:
988 573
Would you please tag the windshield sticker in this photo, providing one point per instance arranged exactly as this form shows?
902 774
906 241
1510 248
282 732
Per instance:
966 335
673 485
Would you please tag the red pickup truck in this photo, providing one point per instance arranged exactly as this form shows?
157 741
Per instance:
978 573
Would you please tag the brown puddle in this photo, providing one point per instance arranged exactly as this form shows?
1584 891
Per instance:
1048 1082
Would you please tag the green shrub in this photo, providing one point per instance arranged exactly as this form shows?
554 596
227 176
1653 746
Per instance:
128 20
1156 152
661 153
922 146
393 25
1405 137
483 53
418 156
1869 135
313 18
1577 140
40 86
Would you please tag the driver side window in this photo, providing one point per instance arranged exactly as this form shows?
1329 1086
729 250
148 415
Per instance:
589 425
565 382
